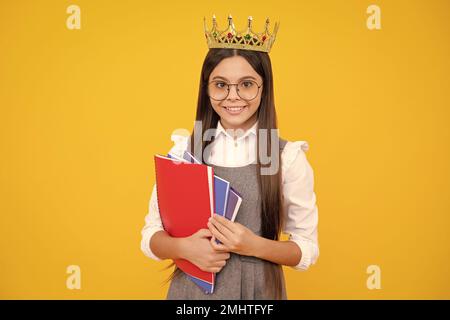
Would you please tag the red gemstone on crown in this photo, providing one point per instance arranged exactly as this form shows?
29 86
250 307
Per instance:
229 35
263 38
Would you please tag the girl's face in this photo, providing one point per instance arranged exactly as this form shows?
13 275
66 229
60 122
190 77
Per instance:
234 111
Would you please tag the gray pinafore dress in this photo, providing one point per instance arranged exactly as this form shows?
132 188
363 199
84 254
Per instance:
243 276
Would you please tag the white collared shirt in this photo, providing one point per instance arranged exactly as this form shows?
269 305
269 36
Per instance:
301 220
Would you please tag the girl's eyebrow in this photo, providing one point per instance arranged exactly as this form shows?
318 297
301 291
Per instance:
246 77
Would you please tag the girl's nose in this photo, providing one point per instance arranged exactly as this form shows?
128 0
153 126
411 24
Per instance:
233 95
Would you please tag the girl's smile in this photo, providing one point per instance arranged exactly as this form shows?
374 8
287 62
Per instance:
235 110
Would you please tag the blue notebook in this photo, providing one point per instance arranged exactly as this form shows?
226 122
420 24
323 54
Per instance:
221 190
205 286
234 202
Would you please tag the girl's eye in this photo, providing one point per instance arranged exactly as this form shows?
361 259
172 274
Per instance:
220 84
247 84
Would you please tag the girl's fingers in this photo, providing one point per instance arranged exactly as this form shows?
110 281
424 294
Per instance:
230 225
216 233
220 264
222 228
217 246
224 256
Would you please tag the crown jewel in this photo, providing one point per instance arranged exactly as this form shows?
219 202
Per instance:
246 39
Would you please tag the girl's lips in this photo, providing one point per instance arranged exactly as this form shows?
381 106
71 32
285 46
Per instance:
234 110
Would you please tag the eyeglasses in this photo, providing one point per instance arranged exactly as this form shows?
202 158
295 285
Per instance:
246 89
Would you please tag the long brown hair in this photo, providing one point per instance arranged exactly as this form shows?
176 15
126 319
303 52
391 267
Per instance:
270 185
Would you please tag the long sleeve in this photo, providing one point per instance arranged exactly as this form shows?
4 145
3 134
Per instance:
152 225
153 221
301 212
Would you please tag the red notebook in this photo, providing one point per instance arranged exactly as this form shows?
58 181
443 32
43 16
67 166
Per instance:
185 195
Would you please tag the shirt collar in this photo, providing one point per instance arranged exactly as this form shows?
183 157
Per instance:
222 130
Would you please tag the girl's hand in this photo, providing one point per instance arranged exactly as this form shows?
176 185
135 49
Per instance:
198 250
234 236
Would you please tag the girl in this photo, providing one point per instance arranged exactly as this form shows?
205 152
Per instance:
236 98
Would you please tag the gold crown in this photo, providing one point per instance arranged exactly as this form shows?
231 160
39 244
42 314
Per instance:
246 39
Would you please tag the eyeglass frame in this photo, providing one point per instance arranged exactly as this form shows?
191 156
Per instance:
237 90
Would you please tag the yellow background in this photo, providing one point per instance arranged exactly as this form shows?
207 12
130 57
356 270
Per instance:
84 111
